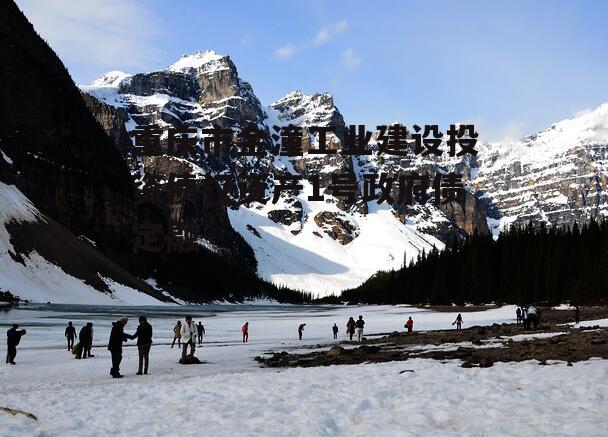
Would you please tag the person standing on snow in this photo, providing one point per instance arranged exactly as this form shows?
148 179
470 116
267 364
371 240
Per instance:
350 328
188 333
144 343
13 337
533 317
301 330
70 334
117 337
335 331
86 341
524 318
409 325
577 315
360 324
245 330
518 315
458 321
201 331
177 334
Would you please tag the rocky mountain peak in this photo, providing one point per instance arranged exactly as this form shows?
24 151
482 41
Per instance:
316 109
307 110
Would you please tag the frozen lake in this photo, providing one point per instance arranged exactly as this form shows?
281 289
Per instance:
269 325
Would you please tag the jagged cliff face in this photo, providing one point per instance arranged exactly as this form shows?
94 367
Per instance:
197 91
113 121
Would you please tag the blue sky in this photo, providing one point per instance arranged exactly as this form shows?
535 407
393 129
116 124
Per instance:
510 67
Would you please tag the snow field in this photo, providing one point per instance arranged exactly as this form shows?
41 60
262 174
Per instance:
374 399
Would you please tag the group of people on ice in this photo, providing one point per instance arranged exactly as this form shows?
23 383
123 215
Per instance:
186 334
528 316
352 327
185 331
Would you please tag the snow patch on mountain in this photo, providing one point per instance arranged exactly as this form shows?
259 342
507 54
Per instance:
313 261
110 79
303 110
32 277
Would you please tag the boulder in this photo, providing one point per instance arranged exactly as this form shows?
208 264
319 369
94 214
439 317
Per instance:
336 351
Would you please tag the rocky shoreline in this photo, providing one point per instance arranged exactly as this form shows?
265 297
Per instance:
477 346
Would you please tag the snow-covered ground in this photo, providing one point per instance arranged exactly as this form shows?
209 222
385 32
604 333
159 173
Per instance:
590 323
232 395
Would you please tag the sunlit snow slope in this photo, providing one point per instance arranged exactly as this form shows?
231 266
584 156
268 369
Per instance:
30 276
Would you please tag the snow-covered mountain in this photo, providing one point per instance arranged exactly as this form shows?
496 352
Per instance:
322 247
557 176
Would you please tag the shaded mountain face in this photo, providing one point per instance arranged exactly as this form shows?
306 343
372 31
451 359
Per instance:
65 191
62 160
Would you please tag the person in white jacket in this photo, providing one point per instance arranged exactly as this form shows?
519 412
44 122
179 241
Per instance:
189 333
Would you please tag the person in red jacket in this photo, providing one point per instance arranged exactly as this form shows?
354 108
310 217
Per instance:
409 325
245 330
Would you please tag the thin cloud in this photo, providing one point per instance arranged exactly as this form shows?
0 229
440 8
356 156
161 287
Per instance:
321 37
247 39
350 60
582 112
512 132
328 32
97 33
285 52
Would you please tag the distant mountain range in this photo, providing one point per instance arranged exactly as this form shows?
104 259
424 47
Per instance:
58 169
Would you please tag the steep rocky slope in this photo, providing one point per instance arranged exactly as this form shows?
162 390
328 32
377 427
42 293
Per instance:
65 191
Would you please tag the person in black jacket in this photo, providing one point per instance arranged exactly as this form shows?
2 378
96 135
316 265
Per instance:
201 331
144 343
117 337
86 340
360 324
13 337
70 334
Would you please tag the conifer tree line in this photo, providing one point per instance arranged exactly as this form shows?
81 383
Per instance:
524 265
205 276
